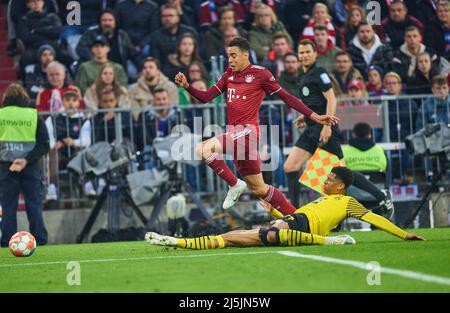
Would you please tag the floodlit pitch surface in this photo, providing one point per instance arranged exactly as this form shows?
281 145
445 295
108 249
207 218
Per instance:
139 267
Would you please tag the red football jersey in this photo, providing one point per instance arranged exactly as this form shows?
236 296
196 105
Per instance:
244 92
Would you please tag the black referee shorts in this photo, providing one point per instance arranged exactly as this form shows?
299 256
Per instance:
297 221
309 140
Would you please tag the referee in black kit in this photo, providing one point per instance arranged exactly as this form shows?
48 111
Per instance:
315 90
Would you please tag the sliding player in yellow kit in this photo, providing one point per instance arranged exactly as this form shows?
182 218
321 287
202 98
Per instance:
309 225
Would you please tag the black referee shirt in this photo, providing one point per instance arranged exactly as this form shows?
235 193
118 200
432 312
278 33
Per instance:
310 86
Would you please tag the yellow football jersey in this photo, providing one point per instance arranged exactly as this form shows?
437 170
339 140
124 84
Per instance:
325 214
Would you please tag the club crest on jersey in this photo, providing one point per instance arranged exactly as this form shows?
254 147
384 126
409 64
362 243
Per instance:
231 78
249 78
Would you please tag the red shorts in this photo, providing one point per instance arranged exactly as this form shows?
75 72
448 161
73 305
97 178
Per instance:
242 143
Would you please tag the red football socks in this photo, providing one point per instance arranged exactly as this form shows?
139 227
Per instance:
218 165
277 199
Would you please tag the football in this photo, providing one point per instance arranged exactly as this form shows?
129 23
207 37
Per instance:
22 244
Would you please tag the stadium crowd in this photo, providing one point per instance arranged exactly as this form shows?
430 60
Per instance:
126 53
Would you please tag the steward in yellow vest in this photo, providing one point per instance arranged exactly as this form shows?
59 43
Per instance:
23 142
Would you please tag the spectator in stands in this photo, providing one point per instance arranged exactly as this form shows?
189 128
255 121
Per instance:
322 17
71 129
357 91
185 11
121 49
402 117
326 50
36 74
438 30
142 93
374 83
420 82
71 133
15 11
209 10
366 48
196 70
214 35
402 112
350 29
436 109
342 10
104 124
362 153
186 98
405 59
343 73
289 76
36 28
106 78
49 98
297 14
280 44
88 71
251 6
196 73
265 25
72 33
229 34
138 18
163 41
186 53
21 170
410 4
426 10
158 120
392 29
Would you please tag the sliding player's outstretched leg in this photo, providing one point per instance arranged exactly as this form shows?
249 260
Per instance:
248 238
197 243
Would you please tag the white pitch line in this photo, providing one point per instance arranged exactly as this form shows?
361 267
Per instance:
364 266
141 258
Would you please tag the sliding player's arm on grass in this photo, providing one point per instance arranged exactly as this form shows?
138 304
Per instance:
357 210
203 96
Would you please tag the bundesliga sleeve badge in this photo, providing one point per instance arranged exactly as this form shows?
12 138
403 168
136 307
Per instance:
325 78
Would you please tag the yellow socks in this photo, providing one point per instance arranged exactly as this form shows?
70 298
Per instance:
201 243
289 237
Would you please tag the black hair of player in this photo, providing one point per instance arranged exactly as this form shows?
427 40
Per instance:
344 174
241 43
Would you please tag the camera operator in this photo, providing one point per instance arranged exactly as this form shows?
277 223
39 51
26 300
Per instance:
23 142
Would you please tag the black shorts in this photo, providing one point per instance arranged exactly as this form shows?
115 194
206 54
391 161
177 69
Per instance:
297 221
309 140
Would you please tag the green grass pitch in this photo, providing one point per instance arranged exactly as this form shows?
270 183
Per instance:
139 267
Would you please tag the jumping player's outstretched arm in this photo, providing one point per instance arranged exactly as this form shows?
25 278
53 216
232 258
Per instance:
202 96
272 87
357 210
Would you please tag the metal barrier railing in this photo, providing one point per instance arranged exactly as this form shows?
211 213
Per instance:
392 118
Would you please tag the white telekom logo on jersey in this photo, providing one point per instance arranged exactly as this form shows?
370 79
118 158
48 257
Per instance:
231 94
